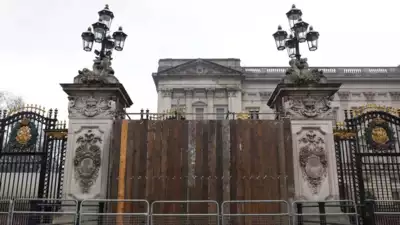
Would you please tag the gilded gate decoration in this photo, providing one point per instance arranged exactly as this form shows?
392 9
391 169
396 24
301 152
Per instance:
32 153
367 153
379 135
23 136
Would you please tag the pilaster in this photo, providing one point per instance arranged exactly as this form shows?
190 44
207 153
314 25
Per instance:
189 102
234 100
210 103
166 94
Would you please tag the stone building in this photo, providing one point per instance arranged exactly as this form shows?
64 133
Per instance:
217 86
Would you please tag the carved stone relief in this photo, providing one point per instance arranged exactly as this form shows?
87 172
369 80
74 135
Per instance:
395 95
91 106
313 159
210 92
265 95
369 96
101 72
87 160
201 67
166 92
344 95
308 106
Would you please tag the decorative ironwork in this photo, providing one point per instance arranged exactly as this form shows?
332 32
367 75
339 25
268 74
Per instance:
87 160
313 160
368 157
31 160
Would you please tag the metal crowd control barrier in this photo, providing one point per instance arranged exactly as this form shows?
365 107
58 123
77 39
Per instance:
274 216
334 212
44 211
386 212
5 212
170 213
106 211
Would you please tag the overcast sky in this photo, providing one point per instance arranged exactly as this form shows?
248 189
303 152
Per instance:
41 40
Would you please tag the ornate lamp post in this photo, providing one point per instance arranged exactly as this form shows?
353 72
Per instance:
101 34
298 34
102 71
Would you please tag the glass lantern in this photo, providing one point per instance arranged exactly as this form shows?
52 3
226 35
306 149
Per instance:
312 39
100 30
106 16
280 37
88 38
290 45
300 30
119 38
294 15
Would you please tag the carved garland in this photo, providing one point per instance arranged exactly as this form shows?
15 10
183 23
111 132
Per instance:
87 160
90 106
308 106
313 160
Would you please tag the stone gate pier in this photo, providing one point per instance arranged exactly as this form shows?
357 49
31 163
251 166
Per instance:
313 169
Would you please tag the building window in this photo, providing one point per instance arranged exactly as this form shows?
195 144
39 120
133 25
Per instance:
199 113
254 113
221 113
395 195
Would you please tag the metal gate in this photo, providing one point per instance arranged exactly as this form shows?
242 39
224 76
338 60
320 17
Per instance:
32 153
368 159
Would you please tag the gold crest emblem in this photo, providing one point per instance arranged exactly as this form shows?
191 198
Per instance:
23 135
379 135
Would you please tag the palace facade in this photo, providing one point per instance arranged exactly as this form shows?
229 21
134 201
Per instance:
209 88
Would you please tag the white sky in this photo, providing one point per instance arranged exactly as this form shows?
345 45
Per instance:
41 40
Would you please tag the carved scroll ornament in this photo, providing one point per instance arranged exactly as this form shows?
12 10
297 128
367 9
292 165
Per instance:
91 106
87 160
313 160
308 106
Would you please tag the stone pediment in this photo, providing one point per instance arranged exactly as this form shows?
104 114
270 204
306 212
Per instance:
200 67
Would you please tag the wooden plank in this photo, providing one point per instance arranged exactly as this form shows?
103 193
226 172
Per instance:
157 188
130 162
261 152
272 161
233 168
122 169
196 189
246 166
164 165
212 164
184 161
224 161
142 162
150 162
204 167
114 163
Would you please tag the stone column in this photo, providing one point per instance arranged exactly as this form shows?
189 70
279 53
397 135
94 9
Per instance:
234 100
94 103
189 102
344 97
314 162
210 103
167 99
